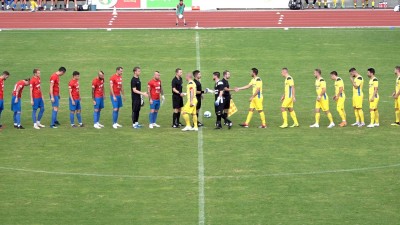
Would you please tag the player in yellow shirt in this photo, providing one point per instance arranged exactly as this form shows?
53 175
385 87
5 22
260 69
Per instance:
322 101
339 97
256 99
288 99
373 98
190 106
396 97
358 82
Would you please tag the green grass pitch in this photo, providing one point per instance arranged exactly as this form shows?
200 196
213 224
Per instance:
252 176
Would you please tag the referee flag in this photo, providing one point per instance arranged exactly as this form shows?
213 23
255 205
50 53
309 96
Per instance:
232 109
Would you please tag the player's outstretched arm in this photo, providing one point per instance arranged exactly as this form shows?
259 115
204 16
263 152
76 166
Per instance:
242 88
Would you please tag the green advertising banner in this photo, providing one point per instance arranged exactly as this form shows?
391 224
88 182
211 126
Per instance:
166 3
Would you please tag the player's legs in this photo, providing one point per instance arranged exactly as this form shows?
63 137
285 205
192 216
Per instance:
317 114
294 117
136 105
363 3
41 111
355 3
227 106
177 20
334 3
341 111
258 102
219 112
284 117
1 110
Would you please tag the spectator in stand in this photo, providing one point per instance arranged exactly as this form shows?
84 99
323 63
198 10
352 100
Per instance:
313 4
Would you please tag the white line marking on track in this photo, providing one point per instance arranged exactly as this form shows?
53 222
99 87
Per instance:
200 149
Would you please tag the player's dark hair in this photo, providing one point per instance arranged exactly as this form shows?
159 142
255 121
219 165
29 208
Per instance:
255 71
217 74
397 68
62 69
352 70
334 73
177 69
318 71
75 73
136 68
284 68
157 71
35 70
6 73
371 70
225 72
196 72
27 79
119 68
101 71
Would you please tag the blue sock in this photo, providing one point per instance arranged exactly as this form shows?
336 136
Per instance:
78 115
71 118
15 5
0 114
150 117
98 116
40 114
95 114
115 116
15 118
18 119
53 117
34 115
155 117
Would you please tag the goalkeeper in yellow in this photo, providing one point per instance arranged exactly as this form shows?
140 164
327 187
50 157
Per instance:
288 99
190 106
339 97
322 101
358 82
256 99
396 96
373 98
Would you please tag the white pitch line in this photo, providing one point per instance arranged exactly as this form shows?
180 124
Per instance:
202 217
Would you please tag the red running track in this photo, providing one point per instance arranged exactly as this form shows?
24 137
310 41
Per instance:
214 19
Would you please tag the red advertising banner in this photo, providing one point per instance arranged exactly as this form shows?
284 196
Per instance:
127 4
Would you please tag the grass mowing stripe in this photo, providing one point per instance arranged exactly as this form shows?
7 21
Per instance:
200 149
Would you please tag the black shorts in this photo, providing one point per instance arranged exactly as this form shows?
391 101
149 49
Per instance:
198 106
219 108
136 105
177 102
227 102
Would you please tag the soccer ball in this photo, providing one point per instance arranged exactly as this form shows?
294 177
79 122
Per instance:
207 114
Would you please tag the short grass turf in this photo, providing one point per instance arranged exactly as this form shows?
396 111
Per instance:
252 176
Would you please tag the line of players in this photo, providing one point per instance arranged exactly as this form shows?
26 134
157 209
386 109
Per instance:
364 4
194 93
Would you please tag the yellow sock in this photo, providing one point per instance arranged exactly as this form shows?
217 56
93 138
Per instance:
249 116
195 121
262 116
326 3
342 2
342 114
186 118
317 116
284 117
372 113
373 3
397 116
294 117
329 115
334 2
357 115
376 116
361 114
319 3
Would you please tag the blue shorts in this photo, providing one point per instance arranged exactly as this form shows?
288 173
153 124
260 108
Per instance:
77 105
56 102
155 105
99 103
1 105
116 104
15 107
37 103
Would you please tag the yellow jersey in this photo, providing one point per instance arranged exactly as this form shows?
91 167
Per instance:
397 84
289 84
319 85
189 87
360 83
256 83
373 83
339 84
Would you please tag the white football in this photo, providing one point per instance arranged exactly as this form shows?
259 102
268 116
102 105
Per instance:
207 114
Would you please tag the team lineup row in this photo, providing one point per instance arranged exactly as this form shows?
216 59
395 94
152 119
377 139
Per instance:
194 94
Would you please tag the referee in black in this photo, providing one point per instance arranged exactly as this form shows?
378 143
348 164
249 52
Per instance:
219 100
199 94
136 93
227 97
177 97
